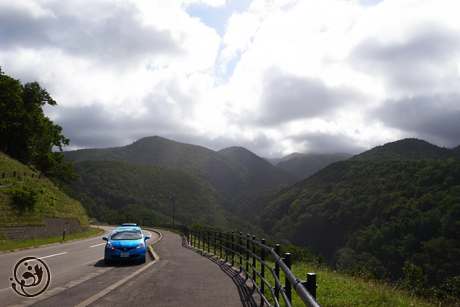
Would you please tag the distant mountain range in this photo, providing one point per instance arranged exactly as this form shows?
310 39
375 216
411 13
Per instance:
231 171
304 166
235 170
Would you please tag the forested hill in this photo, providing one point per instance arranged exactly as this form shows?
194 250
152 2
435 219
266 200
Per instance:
379 213
262 168
227 176
306 165
407 149
134 189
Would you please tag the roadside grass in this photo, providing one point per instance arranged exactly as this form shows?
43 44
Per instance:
335 289
339 290
32 243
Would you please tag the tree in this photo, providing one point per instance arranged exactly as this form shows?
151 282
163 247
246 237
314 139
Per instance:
26 134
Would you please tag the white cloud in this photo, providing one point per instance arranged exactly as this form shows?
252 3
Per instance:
286 75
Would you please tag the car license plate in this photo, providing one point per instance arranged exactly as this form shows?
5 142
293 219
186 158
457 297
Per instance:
124 255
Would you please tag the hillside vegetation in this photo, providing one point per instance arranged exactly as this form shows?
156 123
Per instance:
120 191
305 166
26 201
227 176
381 212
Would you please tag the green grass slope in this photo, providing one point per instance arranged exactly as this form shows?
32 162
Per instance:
36 198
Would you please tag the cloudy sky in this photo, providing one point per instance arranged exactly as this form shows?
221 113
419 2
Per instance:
273 76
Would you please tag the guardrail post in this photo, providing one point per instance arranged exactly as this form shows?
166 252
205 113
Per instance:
214 243
277 271
247 255
213 240
205 233
208 240
240 250
194 237
226 247
232 251
311 284
287 286
254 258
262 273
220 245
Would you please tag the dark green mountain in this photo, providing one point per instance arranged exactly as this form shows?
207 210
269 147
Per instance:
398 202
406 149
305 166
267 174
118 185
227 176
288 157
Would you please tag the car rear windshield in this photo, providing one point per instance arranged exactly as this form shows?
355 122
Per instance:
126 234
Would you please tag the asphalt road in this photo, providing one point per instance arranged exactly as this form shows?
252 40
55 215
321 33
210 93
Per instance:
76 270
182 278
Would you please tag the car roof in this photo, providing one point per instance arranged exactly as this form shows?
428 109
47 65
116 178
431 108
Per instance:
127 227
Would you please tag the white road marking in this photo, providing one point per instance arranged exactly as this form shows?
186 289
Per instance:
52 255
98 244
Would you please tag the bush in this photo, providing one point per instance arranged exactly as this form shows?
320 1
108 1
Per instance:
415 280
24 197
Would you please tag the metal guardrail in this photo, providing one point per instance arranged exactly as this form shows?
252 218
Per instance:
246 253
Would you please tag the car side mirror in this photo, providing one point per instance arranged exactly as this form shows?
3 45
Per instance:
105 238
146 238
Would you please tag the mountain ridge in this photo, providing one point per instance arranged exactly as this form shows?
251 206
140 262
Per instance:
305 166
228 176
409 148
258 165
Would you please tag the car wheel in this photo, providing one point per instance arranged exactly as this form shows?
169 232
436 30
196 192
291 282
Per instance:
142 260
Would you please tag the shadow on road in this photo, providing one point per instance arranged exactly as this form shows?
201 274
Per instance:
247 294
124 263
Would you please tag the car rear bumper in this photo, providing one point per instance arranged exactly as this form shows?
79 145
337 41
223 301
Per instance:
115 254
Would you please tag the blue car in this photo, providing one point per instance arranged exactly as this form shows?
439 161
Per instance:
125 242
